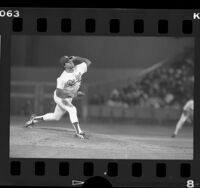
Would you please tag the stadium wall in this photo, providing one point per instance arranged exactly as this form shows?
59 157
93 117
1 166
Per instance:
134 113
36 98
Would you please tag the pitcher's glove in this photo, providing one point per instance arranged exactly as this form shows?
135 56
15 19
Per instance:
63 93
78 94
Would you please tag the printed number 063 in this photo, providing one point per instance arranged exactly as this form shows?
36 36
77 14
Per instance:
190 184
9 13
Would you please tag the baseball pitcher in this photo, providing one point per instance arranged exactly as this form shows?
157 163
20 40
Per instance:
67 89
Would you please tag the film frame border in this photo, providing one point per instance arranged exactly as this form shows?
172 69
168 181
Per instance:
97 22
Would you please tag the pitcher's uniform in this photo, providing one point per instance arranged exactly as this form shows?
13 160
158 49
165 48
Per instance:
70 82
187 115
188 110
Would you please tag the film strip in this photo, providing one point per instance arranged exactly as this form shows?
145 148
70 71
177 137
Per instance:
91 172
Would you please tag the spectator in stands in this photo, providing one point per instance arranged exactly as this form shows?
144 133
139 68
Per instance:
169 85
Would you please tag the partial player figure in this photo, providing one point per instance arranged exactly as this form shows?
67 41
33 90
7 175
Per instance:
186 116
68 85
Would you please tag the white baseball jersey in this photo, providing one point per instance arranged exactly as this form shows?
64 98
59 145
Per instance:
189 106
188 110
72 81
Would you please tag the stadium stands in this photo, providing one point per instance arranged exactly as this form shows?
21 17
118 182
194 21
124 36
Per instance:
169 85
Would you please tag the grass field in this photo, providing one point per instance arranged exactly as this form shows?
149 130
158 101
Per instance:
106 141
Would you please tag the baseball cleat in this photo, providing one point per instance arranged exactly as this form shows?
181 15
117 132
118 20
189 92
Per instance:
173 136
82 133
30 123
79 136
